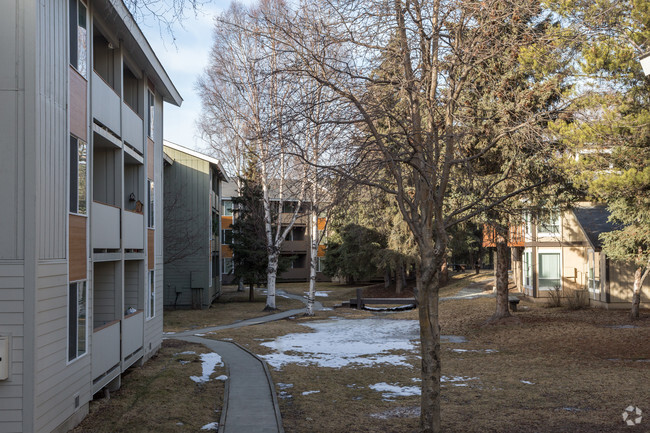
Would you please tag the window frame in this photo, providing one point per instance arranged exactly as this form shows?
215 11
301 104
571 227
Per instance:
77 58
151 114
548 251
224 210
223 237
554 220
225 260
75 179
151 294
69 347
151 204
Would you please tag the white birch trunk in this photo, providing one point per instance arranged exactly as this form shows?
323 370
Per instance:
314 258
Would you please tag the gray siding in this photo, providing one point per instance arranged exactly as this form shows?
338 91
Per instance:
103 293
188 225
11 319
56 381
12 100
134 284
52 128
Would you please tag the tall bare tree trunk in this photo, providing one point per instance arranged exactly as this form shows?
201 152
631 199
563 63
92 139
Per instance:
271 275
502 281
387 278
314 257
398 281
428 275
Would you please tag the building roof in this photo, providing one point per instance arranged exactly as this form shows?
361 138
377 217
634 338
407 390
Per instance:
126 30
198 155
594 220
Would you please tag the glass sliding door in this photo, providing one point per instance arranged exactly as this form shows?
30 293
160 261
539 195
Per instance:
549 271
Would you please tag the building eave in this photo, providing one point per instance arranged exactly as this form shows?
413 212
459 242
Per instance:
215 162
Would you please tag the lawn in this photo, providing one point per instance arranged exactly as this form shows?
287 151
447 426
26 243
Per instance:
545 370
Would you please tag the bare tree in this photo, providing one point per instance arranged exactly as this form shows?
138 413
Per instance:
404 71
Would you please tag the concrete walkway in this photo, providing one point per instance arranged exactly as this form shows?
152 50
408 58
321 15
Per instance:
477 289
250 404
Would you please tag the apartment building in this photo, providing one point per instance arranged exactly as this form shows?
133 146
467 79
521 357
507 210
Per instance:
82 97
296 245
191 233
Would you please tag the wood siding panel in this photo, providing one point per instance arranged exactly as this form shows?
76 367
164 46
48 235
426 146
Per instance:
151 249
78 261
78 105
226 222
226 251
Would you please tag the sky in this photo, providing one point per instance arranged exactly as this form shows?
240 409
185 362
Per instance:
184 62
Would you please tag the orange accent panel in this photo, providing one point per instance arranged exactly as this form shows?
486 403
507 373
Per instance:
150 159
150 250
77 261
516 236
226 251
226 222
78 105
321 223
321 251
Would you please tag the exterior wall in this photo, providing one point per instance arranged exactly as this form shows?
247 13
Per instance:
42 100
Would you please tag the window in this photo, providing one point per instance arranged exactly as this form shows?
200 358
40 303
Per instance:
227 208
78 37
78 175
77 314
227 267
549 271
288 207
548 223
527 269
151 295
319 264
594 279
150 204
152 114
226 235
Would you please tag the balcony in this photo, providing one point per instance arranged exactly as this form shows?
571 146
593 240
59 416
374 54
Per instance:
295 246
105 354
132 337
105 104
133 128
133 224
105 226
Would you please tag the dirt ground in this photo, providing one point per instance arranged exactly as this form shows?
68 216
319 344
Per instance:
160 396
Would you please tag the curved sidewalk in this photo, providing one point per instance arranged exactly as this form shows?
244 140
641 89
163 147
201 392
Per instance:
250 404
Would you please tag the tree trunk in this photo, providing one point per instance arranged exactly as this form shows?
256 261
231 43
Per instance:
501 282
386 278
428 276
398 281
639 276
444 273
517 267
402 274
313 261
271 275
251 292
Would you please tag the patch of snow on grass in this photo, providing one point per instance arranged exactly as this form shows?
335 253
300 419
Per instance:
189 352
320 293
527 382
474 350
211 426
284 385
454 379
390 391
339 343
210 361
310 392
222 377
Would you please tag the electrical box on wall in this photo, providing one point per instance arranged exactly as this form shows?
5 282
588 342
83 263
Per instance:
4 357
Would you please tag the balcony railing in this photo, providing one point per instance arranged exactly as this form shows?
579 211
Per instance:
106 104
105 350
133 224
105 223
132 336
133 128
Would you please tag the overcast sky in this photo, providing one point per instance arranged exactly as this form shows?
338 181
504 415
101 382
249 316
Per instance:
184 63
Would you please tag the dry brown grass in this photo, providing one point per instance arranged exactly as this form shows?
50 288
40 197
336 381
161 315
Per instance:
584 371
160 396
232 306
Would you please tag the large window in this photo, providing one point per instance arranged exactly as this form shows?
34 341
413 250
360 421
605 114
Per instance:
548 223
150 204
227 267
227 208
527 269
78 176
549 271
78 37
151 295
151 113
77 324
226 235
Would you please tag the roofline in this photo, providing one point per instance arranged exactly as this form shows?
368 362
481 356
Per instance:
584 232
196 154
170 94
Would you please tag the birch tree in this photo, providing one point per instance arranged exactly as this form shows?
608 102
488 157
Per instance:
437 152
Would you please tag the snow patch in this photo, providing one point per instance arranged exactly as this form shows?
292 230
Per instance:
189 352
320 293
211 426
284 385
474 350
339 343
222 377
454 379
310 392
210 361
527 382
390 391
